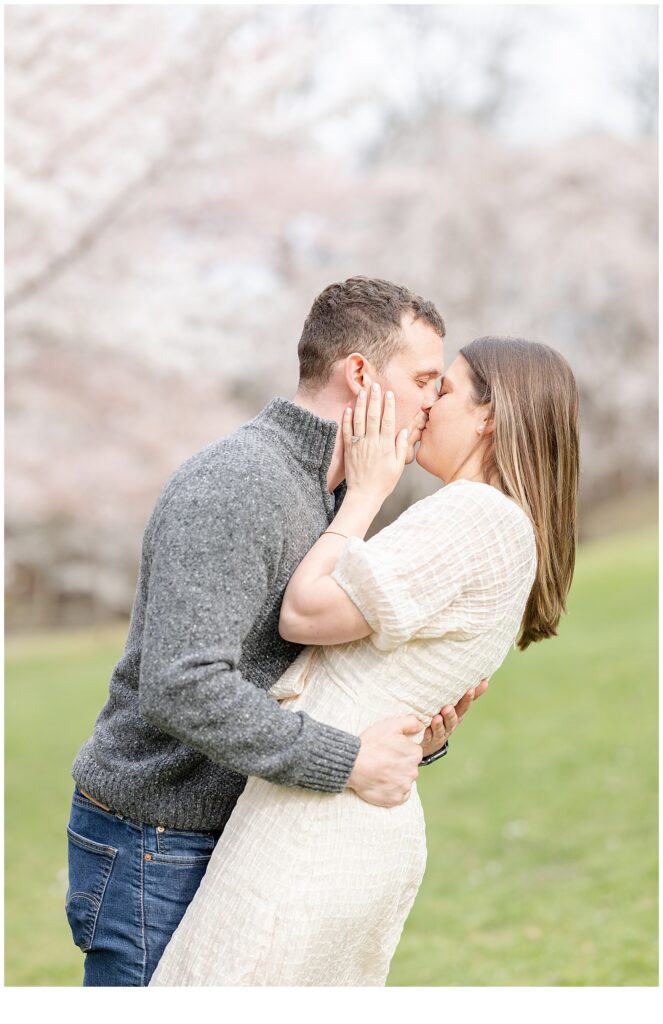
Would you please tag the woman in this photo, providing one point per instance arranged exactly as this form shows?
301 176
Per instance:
308 888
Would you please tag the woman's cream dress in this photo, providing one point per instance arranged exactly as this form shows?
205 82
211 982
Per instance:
310 888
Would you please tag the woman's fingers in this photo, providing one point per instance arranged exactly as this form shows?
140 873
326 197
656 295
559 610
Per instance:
359 421
347 428
374 422
374 413
388 429
401 447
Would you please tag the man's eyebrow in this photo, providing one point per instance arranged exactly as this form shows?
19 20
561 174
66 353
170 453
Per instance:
428 373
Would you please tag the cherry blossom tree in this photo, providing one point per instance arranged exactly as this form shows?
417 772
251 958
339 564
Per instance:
182 181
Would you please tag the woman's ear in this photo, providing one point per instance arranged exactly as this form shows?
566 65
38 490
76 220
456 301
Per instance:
486 425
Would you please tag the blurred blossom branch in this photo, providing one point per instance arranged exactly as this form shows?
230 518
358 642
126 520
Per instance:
182 181
176 85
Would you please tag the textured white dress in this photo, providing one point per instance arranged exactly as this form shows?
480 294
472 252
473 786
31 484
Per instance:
309 888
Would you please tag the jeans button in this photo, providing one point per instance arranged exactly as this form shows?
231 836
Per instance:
148 856
160 828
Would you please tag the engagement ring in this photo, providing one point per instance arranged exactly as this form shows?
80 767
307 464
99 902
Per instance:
357 437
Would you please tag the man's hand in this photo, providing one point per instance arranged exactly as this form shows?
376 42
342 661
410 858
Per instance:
388 761
442 725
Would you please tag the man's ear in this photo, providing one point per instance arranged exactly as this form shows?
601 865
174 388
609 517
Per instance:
357 373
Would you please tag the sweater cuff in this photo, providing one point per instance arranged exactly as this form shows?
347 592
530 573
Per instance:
330 762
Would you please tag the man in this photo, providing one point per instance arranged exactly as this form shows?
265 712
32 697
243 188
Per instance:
188 716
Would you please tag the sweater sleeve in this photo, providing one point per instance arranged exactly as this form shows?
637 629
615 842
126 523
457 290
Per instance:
213 560
406 579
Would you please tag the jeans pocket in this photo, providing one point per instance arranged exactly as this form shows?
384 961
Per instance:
176 846
90 866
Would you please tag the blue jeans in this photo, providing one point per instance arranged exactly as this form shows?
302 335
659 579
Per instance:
129 885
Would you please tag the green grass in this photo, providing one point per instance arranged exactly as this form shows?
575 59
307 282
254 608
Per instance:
541 822
54 689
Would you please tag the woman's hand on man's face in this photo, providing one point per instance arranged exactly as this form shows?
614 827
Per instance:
374 460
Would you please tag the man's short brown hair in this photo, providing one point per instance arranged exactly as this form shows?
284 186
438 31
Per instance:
362 314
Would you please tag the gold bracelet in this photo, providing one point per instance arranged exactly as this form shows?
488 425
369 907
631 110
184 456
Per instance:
337 534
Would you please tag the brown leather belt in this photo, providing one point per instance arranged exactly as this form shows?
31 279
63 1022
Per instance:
103 806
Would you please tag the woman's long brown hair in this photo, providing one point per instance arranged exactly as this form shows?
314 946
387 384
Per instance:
534 458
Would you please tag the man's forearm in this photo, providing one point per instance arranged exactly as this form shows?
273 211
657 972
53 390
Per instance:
206 594
211 707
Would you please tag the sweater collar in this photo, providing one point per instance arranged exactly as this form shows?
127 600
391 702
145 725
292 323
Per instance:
308 437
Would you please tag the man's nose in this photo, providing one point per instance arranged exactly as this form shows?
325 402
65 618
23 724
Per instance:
430 395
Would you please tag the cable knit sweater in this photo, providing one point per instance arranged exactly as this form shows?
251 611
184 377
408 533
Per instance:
188 717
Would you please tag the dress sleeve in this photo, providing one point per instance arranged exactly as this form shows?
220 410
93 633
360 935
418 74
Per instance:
404 578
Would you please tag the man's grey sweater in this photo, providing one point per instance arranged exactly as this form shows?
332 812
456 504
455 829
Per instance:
188 716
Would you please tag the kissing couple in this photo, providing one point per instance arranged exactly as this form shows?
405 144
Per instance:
245 812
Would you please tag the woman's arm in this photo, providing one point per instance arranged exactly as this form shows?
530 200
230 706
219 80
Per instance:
315 609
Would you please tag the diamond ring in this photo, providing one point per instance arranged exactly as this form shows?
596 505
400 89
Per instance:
357 437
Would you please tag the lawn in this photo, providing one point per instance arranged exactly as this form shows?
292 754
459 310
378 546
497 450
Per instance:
542 821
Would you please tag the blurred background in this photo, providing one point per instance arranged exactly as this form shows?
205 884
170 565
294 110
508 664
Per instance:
181 182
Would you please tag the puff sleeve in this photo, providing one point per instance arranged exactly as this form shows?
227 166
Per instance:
405 578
